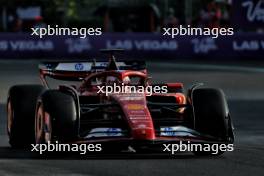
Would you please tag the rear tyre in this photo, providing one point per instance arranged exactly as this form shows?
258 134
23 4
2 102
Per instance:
21 106
212 115
56 117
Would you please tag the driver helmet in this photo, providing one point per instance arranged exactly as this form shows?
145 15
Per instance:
126 80
110 80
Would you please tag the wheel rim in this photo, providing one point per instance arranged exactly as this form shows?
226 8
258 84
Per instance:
42 126
38 125
47 127
10 115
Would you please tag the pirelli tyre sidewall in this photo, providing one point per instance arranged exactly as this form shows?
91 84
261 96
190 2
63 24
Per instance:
59 117
21 106
211 114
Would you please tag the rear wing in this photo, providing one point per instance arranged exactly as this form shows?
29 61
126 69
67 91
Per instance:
77 71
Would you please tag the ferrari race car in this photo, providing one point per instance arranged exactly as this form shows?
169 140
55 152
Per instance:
86 113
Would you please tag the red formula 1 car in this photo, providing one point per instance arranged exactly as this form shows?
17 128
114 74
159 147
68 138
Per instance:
85 113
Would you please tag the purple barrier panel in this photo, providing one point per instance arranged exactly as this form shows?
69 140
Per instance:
248 13
137 45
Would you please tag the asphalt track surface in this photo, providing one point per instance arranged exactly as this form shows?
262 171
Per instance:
244 87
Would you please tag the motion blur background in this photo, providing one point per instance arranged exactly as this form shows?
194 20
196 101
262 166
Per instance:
114 15
135 25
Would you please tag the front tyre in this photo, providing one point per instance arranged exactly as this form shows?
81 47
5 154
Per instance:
21 106
56 117
211 116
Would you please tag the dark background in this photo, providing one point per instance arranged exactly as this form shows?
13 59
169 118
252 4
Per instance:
135 25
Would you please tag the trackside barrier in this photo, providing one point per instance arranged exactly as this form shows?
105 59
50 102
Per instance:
137 45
